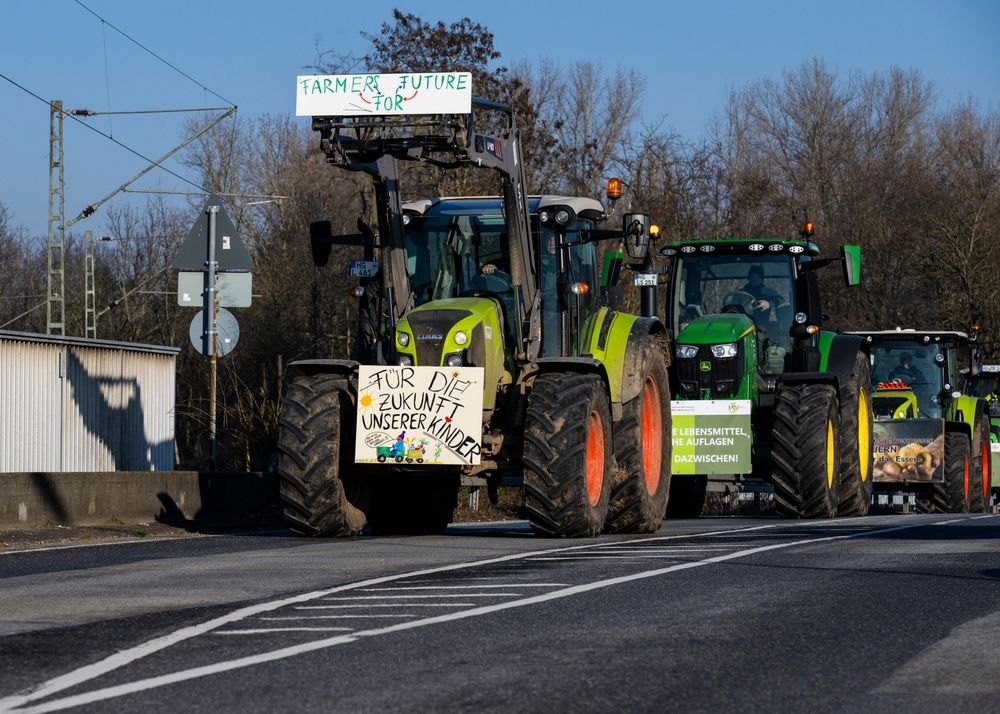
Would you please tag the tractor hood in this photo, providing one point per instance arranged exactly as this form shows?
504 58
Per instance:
465 331
716 329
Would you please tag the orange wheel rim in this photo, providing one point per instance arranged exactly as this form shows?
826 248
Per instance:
966 479
986 472
595 458
652 435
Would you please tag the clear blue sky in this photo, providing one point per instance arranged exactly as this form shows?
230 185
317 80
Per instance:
691 55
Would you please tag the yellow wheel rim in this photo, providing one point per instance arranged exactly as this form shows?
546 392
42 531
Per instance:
864 436
830 446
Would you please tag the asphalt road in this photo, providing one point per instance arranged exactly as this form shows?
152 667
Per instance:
877 614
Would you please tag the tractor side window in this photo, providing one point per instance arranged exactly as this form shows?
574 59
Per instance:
584 271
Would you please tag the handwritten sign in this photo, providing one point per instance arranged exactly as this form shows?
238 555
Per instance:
383 94
419 415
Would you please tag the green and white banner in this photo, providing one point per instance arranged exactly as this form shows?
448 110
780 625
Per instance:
711 436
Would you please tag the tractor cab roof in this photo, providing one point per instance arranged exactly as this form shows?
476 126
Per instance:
492 205
746 246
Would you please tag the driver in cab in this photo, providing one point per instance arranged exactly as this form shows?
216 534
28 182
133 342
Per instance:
766 297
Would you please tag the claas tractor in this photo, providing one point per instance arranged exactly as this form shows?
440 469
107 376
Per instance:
931 437
762 392
986 385
485 352
932 432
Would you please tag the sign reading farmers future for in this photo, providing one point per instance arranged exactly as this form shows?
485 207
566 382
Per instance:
383 94
419 415
711 436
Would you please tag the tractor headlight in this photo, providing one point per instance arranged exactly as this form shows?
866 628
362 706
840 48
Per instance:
460 338
725 350
405 360
686 351
453 360
403 339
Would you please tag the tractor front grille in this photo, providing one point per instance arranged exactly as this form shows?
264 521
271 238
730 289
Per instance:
722 379
430 328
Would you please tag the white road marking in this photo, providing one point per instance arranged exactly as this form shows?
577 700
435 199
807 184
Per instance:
371 605
264 630
85 673
335 617
464 587
607 557
415 597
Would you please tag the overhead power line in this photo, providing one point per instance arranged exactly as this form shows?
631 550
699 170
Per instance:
106 136
139 44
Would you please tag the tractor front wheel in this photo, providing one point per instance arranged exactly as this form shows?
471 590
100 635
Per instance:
856 440
641 480
567 455
321 495
957 473
980 466
806 453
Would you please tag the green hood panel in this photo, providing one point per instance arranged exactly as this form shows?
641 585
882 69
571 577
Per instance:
716 329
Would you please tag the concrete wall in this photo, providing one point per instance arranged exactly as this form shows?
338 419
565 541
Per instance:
33 500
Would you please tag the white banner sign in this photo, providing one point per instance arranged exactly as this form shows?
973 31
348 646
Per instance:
419 415
383 94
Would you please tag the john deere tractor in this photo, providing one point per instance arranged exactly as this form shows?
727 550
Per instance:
747 321
932 439
485 353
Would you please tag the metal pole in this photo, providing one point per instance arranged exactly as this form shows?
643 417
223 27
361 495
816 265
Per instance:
212 318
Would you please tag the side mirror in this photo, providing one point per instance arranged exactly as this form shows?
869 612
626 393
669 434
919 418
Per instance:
320 242
635 235
850 256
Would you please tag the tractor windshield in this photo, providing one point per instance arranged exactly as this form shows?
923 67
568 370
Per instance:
916 365
759 286
457 255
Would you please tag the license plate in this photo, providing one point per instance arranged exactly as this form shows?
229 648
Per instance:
364 268
645 280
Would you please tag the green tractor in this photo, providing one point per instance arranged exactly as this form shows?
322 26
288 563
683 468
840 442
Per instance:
755 374
986 385
485 352
932 438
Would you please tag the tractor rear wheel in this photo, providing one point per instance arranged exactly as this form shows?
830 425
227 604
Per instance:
980 466
805 454
687 496
856 440
567 455
318 483
641 480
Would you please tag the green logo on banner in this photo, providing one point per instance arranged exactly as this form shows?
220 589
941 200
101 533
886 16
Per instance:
705 366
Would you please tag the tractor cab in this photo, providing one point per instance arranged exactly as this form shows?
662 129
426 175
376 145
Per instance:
915 373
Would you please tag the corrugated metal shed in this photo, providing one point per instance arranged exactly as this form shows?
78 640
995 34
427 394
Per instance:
71 404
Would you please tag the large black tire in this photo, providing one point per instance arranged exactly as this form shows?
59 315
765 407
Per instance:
805 454
856 455
321 495
567 455
980 466
412 502
687 496
641 479
953 494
